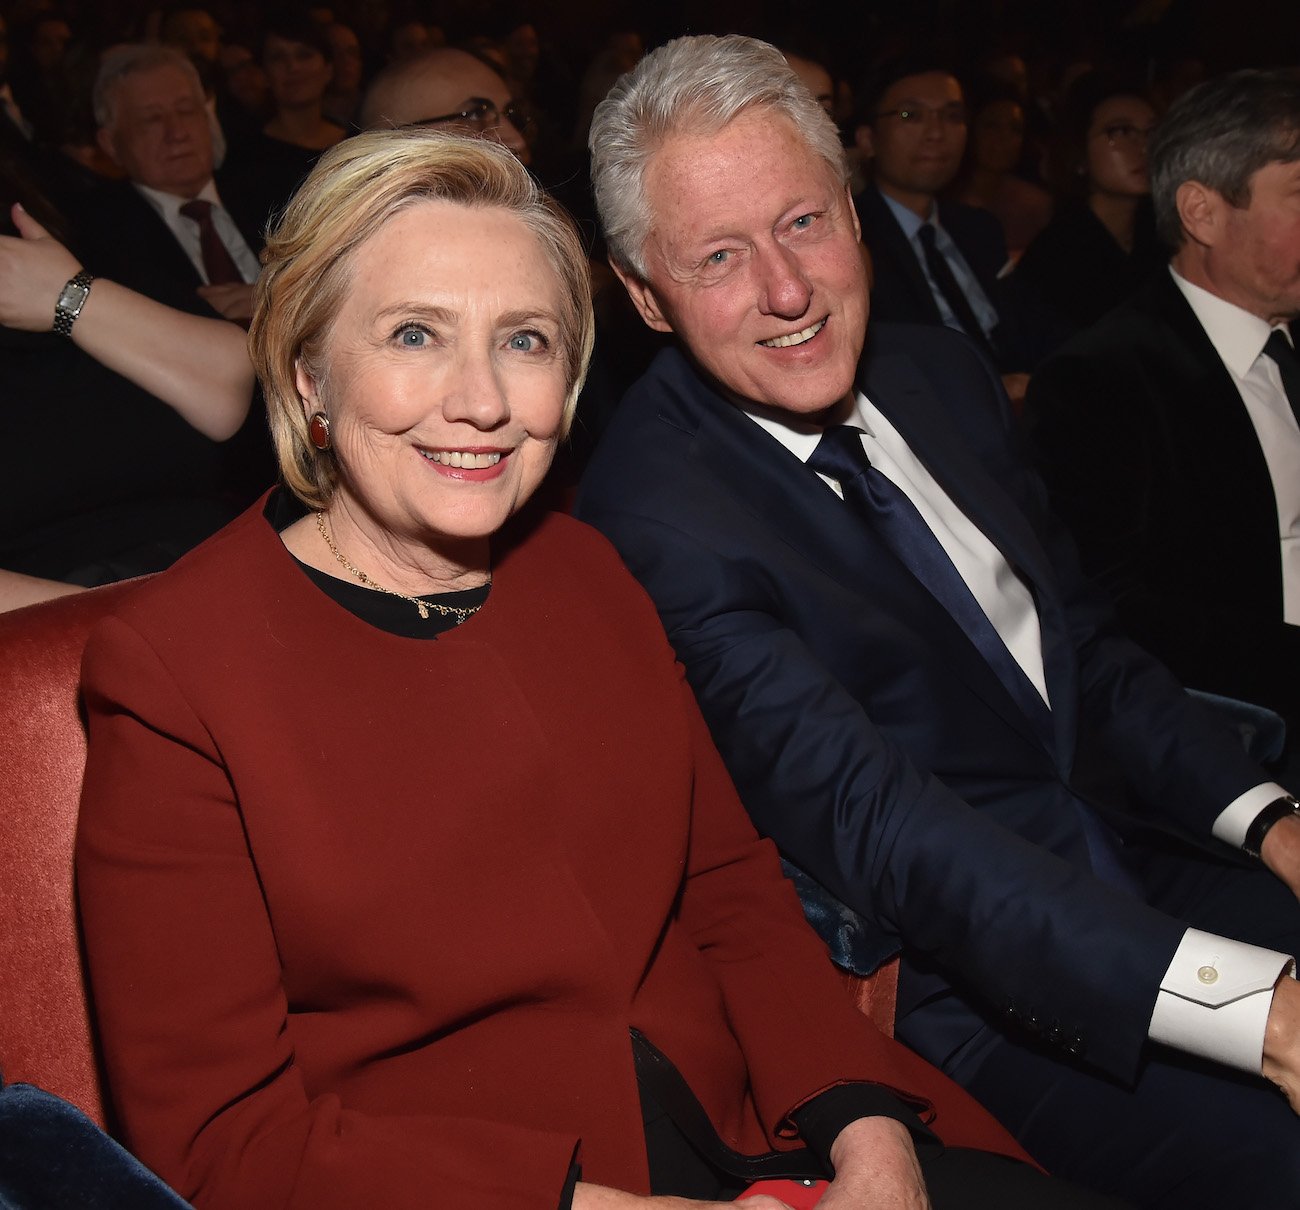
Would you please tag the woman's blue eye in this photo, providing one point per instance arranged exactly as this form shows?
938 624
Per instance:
718 257
412 338
802 222
526 342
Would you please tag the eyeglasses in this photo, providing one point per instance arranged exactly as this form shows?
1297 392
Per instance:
1126 133
479 114
952 114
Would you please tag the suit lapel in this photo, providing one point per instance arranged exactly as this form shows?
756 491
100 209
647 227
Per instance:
797 508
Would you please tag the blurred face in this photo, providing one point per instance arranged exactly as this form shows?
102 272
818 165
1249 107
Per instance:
1254 260
1117 147
298 74
159 134
50 40
918 136
816 79
347 58
754 261
446 84
445 384
997 136
196 33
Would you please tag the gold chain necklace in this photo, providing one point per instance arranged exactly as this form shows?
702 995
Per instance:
447 611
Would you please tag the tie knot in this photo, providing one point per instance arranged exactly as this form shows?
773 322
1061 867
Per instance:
198 210
839 454
927 236
1280 349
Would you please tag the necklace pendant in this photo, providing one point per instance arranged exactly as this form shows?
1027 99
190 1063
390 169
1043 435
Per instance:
424 610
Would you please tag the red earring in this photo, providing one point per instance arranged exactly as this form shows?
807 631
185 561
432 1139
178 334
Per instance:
318 430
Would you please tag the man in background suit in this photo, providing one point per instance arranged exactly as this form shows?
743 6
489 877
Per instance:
1165 432
974 760
932 263
166 231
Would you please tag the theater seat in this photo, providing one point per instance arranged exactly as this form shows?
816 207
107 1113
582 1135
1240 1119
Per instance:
45 1035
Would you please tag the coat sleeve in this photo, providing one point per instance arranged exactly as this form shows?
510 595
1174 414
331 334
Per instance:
1002 916
799 1031
187 989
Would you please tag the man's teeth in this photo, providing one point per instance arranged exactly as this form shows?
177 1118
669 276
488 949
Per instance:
473 462
795 338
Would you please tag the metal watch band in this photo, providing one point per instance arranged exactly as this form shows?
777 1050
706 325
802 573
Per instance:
64 316
1279 808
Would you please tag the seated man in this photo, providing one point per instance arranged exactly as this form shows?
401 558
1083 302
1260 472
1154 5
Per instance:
933 263
1167 433
919 696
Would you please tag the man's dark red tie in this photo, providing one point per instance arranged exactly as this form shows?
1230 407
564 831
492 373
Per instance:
218 264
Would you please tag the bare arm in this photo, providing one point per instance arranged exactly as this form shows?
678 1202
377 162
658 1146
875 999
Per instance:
198 366
17 590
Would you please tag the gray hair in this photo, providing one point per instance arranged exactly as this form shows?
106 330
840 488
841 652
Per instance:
128 60
1220 134
696 84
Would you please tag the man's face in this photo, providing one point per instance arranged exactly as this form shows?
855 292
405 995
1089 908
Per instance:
918 135
1255 258
445 83
754 261
160 134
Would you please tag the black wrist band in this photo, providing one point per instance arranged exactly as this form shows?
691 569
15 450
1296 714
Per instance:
1279 808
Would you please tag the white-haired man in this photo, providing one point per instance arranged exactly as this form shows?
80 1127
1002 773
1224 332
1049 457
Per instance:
919 696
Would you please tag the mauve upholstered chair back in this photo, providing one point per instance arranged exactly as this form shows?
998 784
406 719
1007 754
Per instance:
45 1033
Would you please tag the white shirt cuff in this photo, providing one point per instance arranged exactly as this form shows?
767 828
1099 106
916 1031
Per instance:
1235 819
1215 997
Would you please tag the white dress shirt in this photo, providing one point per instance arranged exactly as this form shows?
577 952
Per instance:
1215 996
186 230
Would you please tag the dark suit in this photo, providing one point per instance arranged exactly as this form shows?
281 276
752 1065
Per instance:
900 292
856 717
127 240
1152 461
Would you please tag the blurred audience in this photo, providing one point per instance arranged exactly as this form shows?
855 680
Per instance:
988 175
1168 431
1101 245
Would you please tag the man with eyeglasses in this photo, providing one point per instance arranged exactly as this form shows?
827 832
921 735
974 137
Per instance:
1168 432
450 89
932 264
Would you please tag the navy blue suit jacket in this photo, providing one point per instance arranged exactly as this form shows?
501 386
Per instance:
865 731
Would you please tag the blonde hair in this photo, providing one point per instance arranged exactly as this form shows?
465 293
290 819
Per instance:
355 188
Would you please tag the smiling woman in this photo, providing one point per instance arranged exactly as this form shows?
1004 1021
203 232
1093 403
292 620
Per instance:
404 854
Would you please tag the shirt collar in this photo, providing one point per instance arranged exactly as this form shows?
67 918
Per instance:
1237 336
796 434
169 205
909 220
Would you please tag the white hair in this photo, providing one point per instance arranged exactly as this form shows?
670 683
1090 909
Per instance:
127 60
697 84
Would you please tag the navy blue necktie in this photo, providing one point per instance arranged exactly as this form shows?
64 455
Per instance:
885 508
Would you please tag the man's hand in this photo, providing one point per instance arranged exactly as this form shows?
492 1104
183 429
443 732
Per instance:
233 301
33 269
875 1165
598 1197
1282 1040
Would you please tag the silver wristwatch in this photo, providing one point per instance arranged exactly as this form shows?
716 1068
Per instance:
71 299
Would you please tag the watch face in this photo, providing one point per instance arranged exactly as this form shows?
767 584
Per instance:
71 297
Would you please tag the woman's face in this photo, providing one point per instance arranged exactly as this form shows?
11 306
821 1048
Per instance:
997 136
445 376
297 73
1117 147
